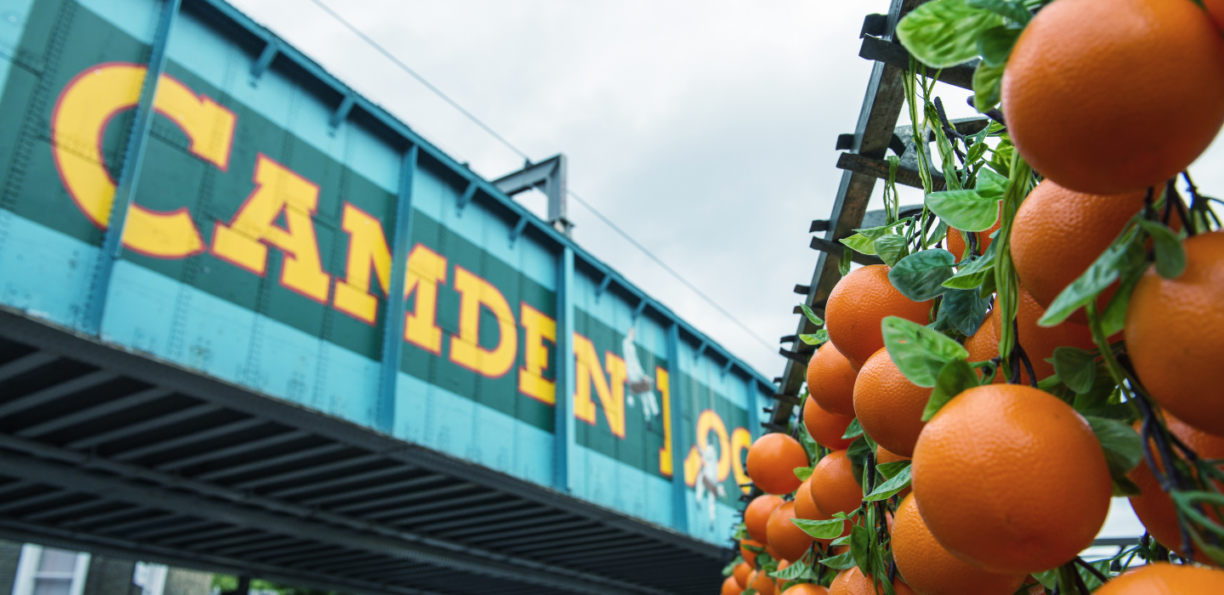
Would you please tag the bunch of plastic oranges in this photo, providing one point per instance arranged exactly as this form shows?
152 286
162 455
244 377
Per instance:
975 409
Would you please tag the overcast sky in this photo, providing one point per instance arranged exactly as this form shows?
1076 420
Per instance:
705 129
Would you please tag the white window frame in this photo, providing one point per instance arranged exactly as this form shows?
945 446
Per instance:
27 571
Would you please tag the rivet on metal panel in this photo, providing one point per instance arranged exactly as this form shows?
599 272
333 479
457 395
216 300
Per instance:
465 199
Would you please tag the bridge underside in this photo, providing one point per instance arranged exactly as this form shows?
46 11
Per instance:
113 452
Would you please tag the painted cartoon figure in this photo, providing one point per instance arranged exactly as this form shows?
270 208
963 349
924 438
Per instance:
640 385
707 480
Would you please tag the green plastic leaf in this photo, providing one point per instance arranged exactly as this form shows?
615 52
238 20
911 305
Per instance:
891 487
920 275
890 470
860 243
890 248
858 450
1076 368
964 310
975 152
991 184
975 273
1122 445
828 529
1170 256
1118 259
944 33
1009 9
820 337
794 571
1102 399
966 210
878 232
843 265
1113 318
956 377
854 430
729 569
843 561
1047 578
803 473
919 352
995 44
811 316
987 92
860 548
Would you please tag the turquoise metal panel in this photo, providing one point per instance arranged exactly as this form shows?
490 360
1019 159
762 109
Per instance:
563 436
393 321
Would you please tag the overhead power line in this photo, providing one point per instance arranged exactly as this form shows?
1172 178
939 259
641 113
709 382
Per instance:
470 116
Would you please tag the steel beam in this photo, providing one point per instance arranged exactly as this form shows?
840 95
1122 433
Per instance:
564 382
551 177
274 461
393 312
679 491
133 158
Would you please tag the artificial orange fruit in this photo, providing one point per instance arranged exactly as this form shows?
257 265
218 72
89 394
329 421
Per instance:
889 406
1153 506
806 589
1086 77
1163 578
857 305
783 565
785 537
1058 233
932 570
956 243
826 428
763 584
805 508
749 555
984 443
1039 342
1216 9
833 486
772 461
1175 335
731 587
883 455
741 572
756 515
830 380
852 582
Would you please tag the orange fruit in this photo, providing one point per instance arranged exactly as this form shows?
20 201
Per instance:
889 406
932 570
852 582
805 508
1153 506
826 428
785 537
1216 9
833 486
830 380
731 587
772 460
741 572
1175 335
1164 578
956 244
806 589
979 448
749 555
756 515
883 455
1086 77
1034 587
1058 233
857 305
763 584
1038 342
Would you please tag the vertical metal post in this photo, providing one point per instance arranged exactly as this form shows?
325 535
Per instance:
133 157
679 490
754 407
393 320
564 424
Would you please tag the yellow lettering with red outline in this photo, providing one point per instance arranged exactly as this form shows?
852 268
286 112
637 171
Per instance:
245 240
665 452
367 251
538 328
84 108
741 440
476 293
426 270
610 390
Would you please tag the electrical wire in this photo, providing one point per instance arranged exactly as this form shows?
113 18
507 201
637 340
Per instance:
470 116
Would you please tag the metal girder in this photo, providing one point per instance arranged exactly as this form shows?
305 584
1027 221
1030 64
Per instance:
873 133
551 178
